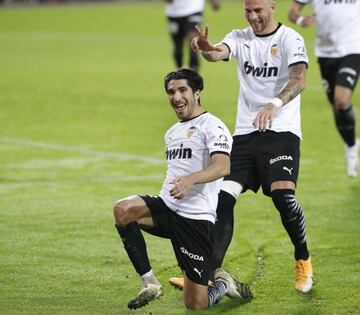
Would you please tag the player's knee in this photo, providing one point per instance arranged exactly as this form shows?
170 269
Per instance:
231 187
282 199
121 209
345 118
195 304
342 102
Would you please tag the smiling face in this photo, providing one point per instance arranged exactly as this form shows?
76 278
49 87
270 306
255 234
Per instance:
259 14
183 99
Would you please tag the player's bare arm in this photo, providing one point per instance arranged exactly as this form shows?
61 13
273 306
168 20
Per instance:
296 84
219 167
297 77
209 51
295 16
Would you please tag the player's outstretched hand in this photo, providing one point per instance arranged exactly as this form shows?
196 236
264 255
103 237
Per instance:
201 42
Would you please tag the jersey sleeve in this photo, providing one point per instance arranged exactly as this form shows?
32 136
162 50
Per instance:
231 40
218 137
295 49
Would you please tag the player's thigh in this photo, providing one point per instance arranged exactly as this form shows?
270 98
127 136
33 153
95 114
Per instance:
195 295
131 209
328 70
175 28
191 22
346 80
160 222
243 162
278 161
192 241
348 71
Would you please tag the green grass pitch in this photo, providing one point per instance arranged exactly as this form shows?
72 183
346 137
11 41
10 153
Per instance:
82 118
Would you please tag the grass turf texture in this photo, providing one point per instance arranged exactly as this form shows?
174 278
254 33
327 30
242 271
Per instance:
83 113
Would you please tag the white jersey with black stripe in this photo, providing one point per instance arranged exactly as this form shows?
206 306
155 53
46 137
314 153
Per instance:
189 146
263 71
337 27
182 8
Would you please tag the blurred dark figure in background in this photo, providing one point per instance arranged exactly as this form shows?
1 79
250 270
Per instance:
182 17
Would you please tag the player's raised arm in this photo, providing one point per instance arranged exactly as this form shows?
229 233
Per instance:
208 50
295 16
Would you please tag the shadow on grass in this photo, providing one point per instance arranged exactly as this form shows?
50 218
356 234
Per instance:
308 296
226 305
229 305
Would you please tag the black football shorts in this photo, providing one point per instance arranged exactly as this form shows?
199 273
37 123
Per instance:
179 27
342 71
261 158
192 240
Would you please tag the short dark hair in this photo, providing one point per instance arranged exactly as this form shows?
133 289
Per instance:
194 80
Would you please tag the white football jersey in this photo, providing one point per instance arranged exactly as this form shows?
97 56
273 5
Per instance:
181 8
189 146
337 27
263 62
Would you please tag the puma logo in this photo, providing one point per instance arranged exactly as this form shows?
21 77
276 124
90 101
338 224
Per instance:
198 272
287 169
350 80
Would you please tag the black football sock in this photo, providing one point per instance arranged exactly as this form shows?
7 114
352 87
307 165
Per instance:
178 51
345 123
135 246
224 227
292 218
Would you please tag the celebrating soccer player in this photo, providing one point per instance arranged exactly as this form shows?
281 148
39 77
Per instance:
337 47
197 154
272 63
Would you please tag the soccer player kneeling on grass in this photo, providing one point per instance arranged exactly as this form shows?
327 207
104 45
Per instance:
197 153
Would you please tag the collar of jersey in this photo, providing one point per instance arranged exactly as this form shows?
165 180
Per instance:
269 34
193 117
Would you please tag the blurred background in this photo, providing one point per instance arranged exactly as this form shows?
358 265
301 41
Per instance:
82 118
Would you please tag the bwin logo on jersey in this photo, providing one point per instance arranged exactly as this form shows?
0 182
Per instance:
191 255
261 72
281 158
179 153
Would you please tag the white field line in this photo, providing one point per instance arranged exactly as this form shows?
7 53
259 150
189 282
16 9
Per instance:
113 155
122 179
85 37
64 148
